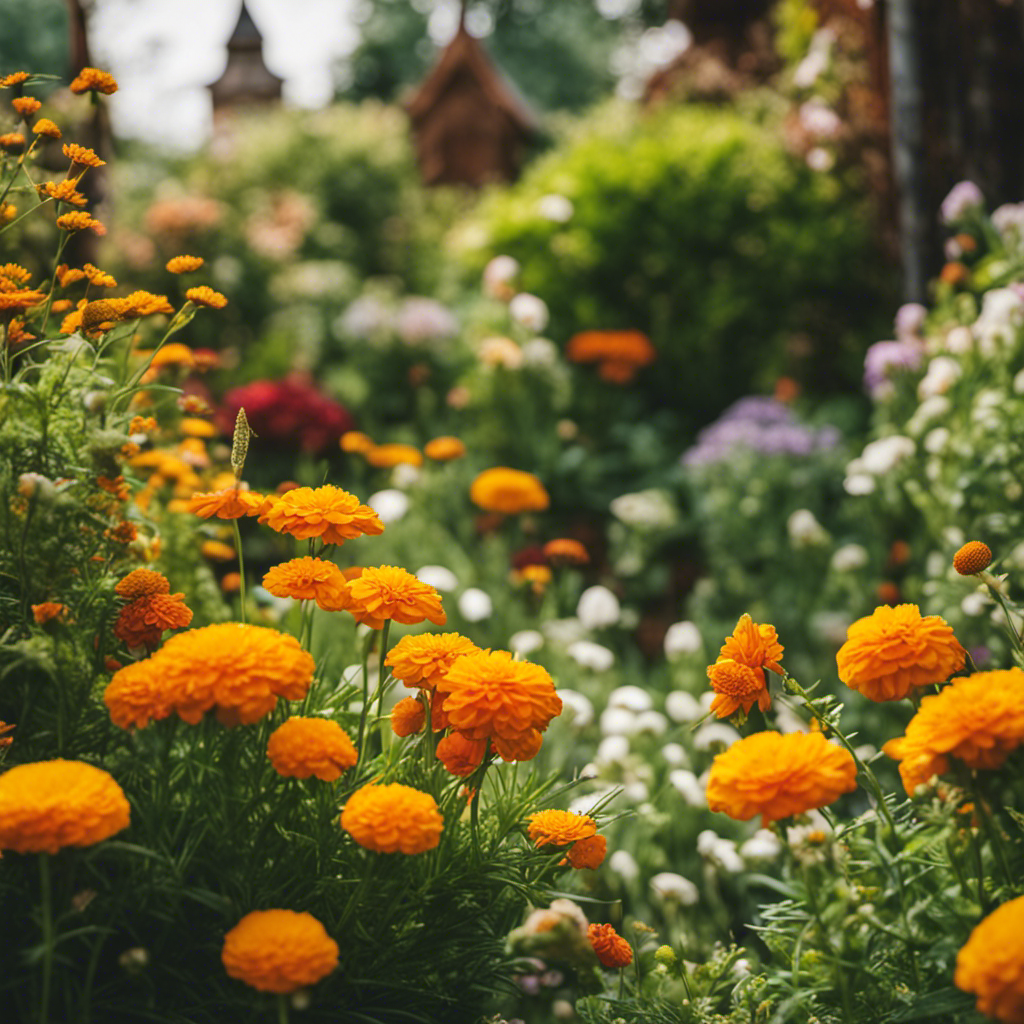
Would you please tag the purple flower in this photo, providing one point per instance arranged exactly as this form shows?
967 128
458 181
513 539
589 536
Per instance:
885 356
910 319
963 197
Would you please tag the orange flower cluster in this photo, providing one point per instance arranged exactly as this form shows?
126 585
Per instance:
65 191
82 156
184 264
777 775
460 755
204 295
408 716
389 593
151 609
894 649
566 551
619 354
737 676
972 558
44 126
231 503
421 661
26 106
387 456
393 819
48 611
588 854
309 579
79 220
611 948
47 805
327 512
509 491
577 831
302 747
94 80
240 671
991 963
444 449
14 79
279 951
978 719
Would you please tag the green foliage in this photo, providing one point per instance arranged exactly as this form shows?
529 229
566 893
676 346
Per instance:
35 36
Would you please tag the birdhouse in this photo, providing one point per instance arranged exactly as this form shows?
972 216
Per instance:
469 122
246 81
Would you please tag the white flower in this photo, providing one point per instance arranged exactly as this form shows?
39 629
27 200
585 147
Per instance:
943 372
623 864
963 197
475 605
882 456
682 706
650 508
818 118
910 318
390 505
762 845
540 352
741 968
612 750
849 557
500 351
810 68
787 720
555 207
804 529
1002 313
713 733
859 484
526 641
634 698
421 320
438 577
618 722
651 721
674 754
720 851
820 159
683 638
688 786
830 625
635 791
528 311
935 440
598 607
563 631
930 409
667 885
590 655
498 274
959 340
974 604
404 475
580 710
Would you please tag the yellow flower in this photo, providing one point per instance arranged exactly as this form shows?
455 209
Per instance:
231 503
560 828
94 80
991 963
388 592
26 106
444 449
82 156
509 491
184 264
327 512
302 747
79 220
385 456
355 442
44 126
393 819
206 296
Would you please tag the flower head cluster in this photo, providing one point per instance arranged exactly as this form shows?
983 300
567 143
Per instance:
459 754
890 652
302 747
387 456
509 491
611 948
619 354
94 80
390 593
420 661
577 831
737 676
972 558
327 512
444 449
230 503
392 819
204 295
408 716
991 963
566 551
309 579
48 611
151 609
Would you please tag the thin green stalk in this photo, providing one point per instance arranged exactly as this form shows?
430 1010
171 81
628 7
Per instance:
366 705
999 596
241 570
381 676
47 912
282 1008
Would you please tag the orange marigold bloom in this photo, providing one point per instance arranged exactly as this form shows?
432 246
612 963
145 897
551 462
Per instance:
387 592
756 645
143 303
385 456
143 621
193 426
978 719
523 746
509 491
63 191
566 551
611 948
231 582
279 951
309 579
991 963
444 449
79 220
184 264
12 142
231 503
48 610
13 276
630 348
560 828
142 583
99 278
20 299
327 512
26 106
16 333
355 442
392 819
588 853
460 755
47 805
135 696
217 550
737 686
44 126
408 716
778 775
302 747
894 649
94 80
423 660
82 156
972 558
15 78
204 295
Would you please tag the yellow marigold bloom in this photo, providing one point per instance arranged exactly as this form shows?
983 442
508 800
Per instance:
217 550
327 512
13 276
460 755
47 805
142 583
47 611
136 696
15 78
588 853
388 592
423 660
355 442
408 716
20 299
204 295
894 649
444 449
509 491
63 191
184 264
142 622
44 126
174 353
611 948
392 819
566 551
972 558
26 106
560 828
99 278
737 686
70 275
991 963
94 80
16 333
302 747
753 644
194 426
231 503
12 142
279 951
309 579
385 456
82 156
778 775
143 303
79 220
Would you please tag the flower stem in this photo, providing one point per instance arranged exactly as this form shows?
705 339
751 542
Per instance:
241 570
282 1008
47 914
381 677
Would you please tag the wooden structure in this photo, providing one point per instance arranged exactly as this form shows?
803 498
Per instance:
246 81
470 125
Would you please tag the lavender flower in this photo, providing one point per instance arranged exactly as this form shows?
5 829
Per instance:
885 356
963 197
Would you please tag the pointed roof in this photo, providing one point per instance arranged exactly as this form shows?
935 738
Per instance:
246 77
245 36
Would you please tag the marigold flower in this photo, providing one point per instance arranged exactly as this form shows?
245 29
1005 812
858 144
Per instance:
99 278
44 126
778 775
231 582
523 746
94 80
204 295
894 649
972 558
444 449
386 456
16 333
560 828
184 264
753 644
423 660
47 611
460 755
279 951
13 276
611 948
142 583
22 298
302 747
47 805
327 512
388 592
62 191
135 696
79 220
12 142
736 686
142 303
217 550
26 106
588 853
82 156
309 579
566 551
509 491
408 716
631 348
231 503
991 963
355 442
143 621
392 819
15 78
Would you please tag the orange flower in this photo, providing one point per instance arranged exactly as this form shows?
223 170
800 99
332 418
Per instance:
142 583
509 491
193 426
48 610
754 645
309 579
560 828
978 719
777 775
302 747
972 558
891 651
279 951
217 550
408 716
12 142
79 220
611 948
135 696
15 78
566 551
94 80
460 755
387 592
26 106
991 963
423 660
204 295
143 621
392 819
99 278
47 805
355 442
64 191
22 298
629 347
44 126
231 503
231 582
327 512
82 156
143 303
184 264
385 456
13 276
588 853
737 686
444 449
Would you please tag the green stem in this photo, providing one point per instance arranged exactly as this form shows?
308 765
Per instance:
998 595
241 570
47 913
282 1008
381 677
366 705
